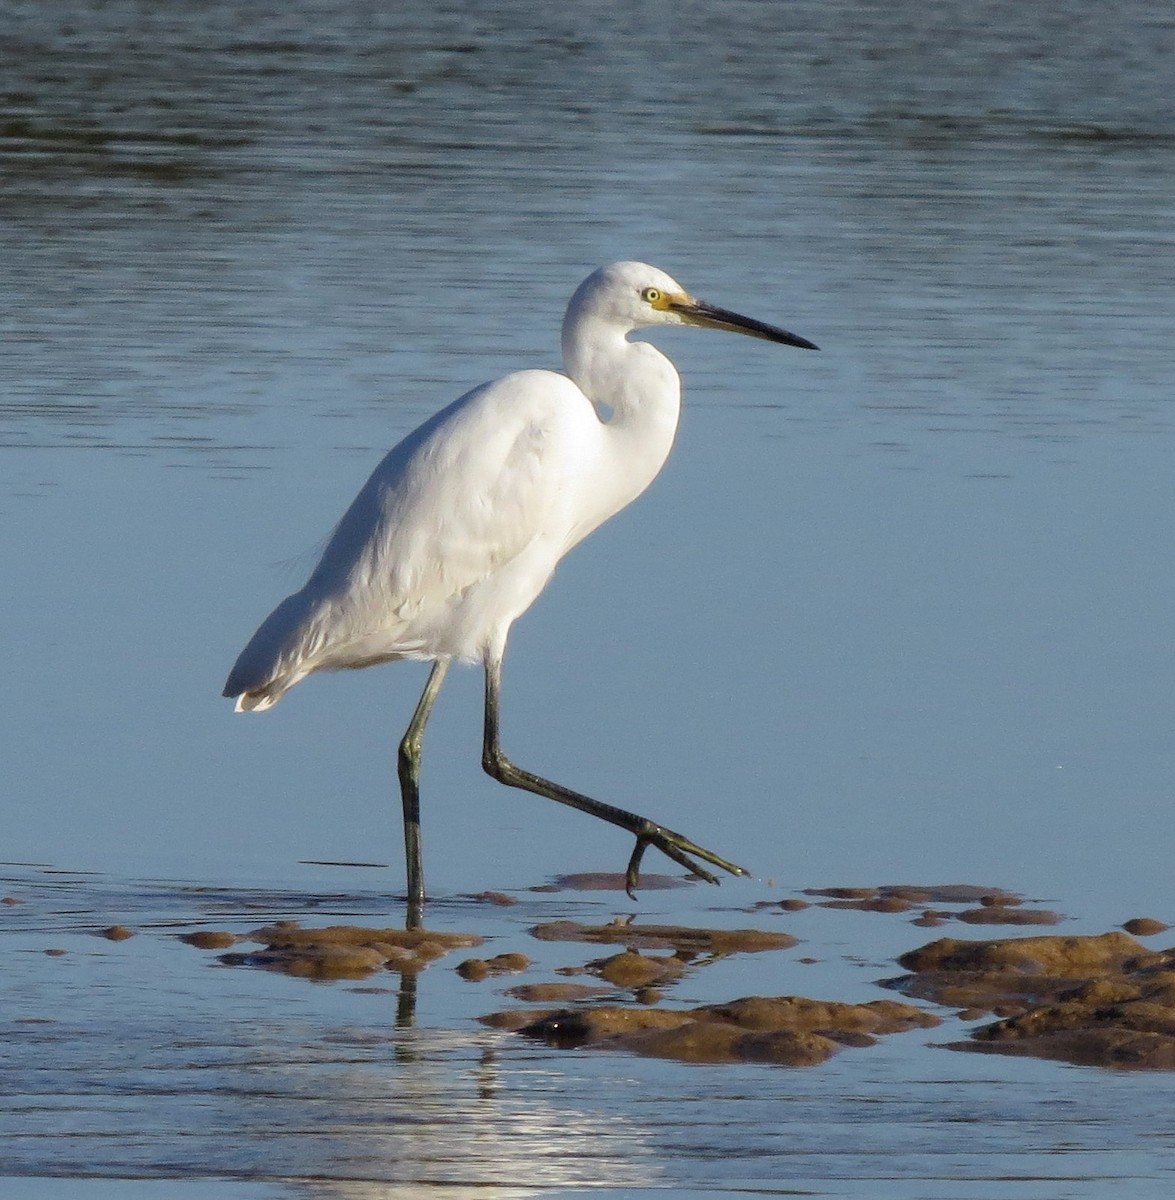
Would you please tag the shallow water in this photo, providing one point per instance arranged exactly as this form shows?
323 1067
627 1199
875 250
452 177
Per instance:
893 611
148 1059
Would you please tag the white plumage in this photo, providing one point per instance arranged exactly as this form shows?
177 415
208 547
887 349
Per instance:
461 525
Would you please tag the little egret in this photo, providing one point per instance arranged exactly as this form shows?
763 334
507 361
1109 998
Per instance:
461 525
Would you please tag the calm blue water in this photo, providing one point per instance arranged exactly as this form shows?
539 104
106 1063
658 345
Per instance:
894 611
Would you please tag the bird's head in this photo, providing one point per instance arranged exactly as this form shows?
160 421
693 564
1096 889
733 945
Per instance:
634 295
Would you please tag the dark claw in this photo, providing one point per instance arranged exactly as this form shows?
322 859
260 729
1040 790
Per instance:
673 846
633 874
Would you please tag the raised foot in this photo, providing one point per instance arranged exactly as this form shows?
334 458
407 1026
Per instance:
678 848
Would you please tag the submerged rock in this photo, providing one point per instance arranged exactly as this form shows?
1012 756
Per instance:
613 881
1002 914
500 899
916 893
672 937
881 904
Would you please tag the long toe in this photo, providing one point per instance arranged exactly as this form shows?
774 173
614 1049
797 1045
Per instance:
677 848
684 846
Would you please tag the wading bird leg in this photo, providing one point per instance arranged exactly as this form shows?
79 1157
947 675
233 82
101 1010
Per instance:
646 832
408 769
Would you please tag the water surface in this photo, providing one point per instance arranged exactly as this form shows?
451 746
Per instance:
893 611
149 1059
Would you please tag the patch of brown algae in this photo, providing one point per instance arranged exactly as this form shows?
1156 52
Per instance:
474 970
1002 914
1095 1001
338 951
784 1030
679 938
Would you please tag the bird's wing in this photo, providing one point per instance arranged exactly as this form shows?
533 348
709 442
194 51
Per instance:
457 500
453 503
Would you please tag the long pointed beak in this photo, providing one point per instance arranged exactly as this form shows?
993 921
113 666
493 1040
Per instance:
709 316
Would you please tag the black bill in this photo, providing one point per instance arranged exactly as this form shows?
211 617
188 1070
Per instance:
698 312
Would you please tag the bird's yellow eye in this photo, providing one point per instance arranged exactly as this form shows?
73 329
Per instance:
651 296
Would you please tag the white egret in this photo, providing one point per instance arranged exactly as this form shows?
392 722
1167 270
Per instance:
461 525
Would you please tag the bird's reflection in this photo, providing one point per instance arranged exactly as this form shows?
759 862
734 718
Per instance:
406 1000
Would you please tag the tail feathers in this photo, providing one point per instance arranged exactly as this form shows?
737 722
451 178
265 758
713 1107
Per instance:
252 695
275 659
256 701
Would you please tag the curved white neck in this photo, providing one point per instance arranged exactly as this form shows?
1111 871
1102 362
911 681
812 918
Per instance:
642 390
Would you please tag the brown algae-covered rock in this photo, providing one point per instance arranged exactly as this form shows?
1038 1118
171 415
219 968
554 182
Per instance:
707 1042
991 975
500 899
1137 1033
289 933
511 1020
880 904
833 1018
569 1028
476 969
344 951
1096 1001
937 893
1090 1047
843 893
630 969
1045 955
615 881
1145 927
116 933
1005 914
787 1030
555 993
209 939
931 918
314 962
